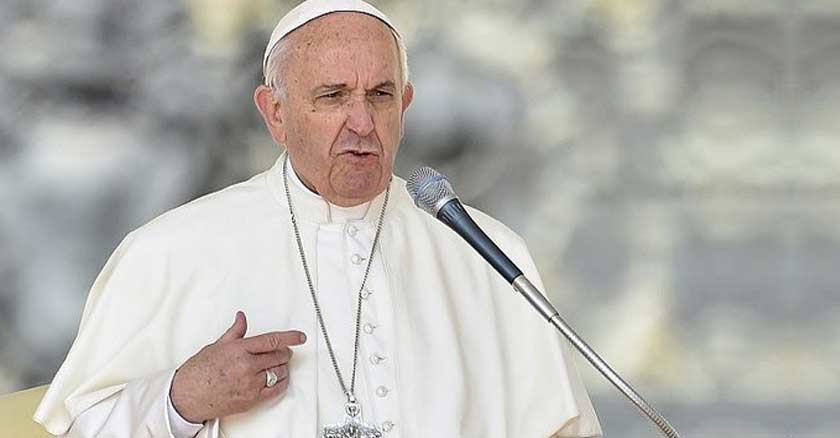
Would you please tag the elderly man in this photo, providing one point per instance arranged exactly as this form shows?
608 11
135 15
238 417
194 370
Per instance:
397 328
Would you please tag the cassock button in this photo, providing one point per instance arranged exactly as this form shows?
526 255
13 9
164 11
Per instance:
352 230
382 391
388 426
368 328
356 259
377 358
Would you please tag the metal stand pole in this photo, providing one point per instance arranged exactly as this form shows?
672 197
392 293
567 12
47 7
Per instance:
524 287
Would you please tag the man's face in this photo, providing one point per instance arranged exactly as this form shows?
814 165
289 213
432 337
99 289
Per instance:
341 116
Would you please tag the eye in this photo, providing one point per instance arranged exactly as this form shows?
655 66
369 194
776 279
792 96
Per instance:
380 95
331 95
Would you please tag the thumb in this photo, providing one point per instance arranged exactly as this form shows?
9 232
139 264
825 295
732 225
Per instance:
237 330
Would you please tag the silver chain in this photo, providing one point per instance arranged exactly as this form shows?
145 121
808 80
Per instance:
349 393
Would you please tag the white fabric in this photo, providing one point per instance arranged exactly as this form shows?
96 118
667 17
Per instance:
136 402
344 235
312 9
343 245
464 355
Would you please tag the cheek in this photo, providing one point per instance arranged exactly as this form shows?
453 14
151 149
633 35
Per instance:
388 126
317 132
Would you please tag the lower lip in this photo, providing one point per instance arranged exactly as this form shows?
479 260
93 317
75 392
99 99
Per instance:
359 158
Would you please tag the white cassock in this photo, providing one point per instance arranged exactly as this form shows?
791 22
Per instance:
447 348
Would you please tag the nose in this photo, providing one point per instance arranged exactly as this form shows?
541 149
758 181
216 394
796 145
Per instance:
360 117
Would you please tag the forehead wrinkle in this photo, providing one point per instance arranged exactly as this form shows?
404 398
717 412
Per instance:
331 35
336 25
342 26
312 44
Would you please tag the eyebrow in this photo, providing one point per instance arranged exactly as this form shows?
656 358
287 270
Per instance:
384 84
343 85
327 87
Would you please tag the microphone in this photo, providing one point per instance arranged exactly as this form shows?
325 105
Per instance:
433 193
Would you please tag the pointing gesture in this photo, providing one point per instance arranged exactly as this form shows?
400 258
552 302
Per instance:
231 375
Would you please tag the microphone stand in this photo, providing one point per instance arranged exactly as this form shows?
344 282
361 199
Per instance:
522 285
433 193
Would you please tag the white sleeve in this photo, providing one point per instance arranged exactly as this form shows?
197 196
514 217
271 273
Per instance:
140 409
116 378
180 427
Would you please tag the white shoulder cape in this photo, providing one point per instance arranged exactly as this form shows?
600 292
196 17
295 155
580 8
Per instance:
473 359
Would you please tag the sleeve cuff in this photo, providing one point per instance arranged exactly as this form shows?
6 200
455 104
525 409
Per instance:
178 425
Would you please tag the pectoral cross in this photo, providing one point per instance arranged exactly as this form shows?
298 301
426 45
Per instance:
352 426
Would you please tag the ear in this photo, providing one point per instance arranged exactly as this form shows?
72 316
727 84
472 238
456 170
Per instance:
269 107
407 97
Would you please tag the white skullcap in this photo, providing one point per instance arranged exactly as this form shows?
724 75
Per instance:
312 9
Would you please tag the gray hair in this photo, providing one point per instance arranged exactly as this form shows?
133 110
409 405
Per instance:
277 58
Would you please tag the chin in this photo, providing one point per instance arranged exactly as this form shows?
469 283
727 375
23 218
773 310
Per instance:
358 180
366 190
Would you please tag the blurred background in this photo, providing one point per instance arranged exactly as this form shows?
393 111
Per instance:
673 165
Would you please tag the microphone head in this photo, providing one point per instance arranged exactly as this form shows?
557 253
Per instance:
429 189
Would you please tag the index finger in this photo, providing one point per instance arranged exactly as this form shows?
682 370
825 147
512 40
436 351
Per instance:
273 341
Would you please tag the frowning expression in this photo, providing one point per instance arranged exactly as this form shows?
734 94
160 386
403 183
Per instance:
342 108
